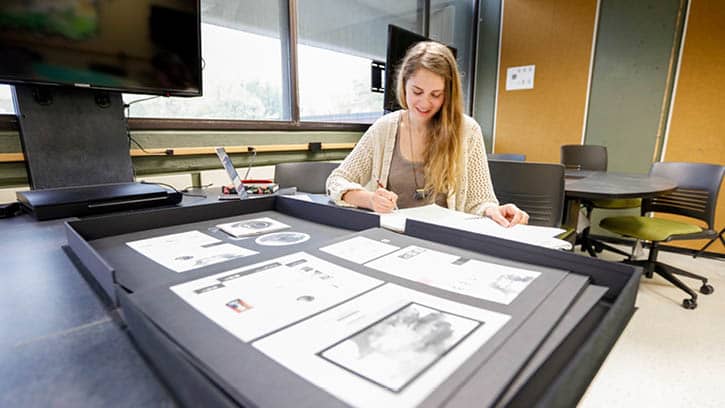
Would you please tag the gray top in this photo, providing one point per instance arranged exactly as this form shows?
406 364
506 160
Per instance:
407 180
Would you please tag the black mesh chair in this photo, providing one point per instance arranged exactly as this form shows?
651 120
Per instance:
594 158
506 156
308 177
537 188
698 185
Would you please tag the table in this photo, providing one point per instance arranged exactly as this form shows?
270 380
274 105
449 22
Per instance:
53 325
62 345
597 185
582 185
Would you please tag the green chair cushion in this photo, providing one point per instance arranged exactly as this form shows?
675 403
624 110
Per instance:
646 228
618 203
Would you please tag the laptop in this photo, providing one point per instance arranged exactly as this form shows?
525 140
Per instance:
232 173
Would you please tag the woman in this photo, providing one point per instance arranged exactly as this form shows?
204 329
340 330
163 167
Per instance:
427 152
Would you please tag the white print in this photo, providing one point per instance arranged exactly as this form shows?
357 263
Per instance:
483 280
257 299
188 250
359 249
437 215
256 226
390 347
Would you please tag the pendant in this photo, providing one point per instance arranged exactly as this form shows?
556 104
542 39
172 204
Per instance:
419 194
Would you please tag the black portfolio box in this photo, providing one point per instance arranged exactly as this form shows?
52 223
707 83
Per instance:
560 328
100 242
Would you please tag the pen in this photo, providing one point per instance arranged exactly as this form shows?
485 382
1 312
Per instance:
395 208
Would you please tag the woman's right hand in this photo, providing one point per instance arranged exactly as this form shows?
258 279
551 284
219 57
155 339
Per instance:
383 201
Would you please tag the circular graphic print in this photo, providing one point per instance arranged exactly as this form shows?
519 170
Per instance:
282 238
252 225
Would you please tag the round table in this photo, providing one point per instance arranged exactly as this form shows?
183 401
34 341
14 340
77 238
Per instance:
582 185
597 185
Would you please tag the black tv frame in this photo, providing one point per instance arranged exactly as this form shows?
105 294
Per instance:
75 136
399 42
18 79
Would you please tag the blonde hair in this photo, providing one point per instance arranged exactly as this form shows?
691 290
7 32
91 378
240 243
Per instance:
442 168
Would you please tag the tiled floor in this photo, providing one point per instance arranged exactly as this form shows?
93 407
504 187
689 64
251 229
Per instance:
668 356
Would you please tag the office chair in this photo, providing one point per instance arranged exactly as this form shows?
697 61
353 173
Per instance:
584 157
594 158
308 177
537 188
712 241
698 185
506 156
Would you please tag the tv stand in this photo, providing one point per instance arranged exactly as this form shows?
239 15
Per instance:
72 136
76 147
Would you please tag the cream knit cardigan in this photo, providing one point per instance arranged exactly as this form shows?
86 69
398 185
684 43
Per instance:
370 161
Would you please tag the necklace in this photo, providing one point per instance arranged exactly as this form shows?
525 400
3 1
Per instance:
419 192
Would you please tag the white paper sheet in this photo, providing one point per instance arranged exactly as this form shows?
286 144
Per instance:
387 348
530 234
434 214
520 77
256 226
482 280
431 213
188 250
302 197
257 299
359 249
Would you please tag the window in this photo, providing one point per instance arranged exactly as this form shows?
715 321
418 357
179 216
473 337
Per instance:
6 100
337 41
246 75
242 72
335 87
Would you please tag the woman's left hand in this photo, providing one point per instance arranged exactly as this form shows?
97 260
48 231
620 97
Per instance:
507 215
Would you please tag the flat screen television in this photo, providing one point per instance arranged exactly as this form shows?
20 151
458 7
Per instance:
399 41
134 46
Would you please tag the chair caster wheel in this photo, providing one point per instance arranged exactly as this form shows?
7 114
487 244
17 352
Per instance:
706 289
689 303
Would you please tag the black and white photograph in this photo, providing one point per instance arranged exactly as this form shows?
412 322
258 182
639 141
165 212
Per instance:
510 283
389 347
282 238
397 349
256 226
